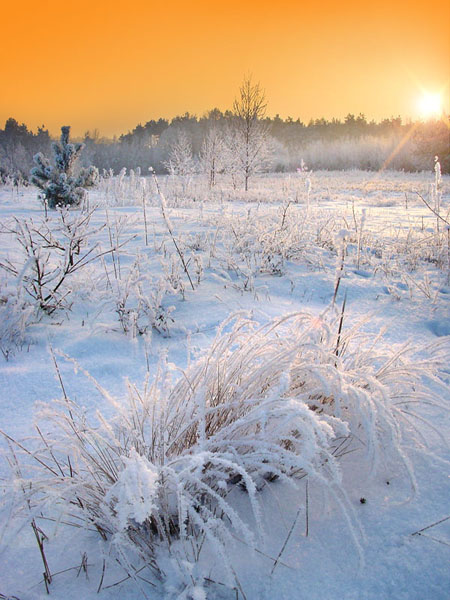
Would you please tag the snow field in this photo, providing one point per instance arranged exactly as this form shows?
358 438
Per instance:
293 344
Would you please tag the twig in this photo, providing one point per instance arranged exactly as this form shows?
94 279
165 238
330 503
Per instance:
354 217
58 372
55 460
341 322
145 217
339 275
430 526
430 537
209 580
102 577
307 508
130 576
286 540
432 209
111 244
238 583
40 537
280 562
19 445
84 565
284 214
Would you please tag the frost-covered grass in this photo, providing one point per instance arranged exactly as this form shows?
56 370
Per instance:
292 344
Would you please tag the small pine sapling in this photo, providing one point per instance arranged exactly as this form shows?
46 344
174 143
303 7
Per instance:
62 184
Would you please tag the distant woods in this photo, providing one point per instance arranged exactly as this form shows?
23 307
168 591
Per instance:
207 144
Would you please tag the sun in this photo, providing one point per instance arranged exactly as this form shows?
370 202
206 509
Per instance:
430 105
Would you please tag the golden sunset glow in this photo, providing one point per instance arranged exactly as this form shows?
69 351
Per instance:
110 65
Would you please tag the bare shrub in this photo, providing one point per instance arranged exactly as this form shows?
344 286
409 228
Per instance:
52 250
139 302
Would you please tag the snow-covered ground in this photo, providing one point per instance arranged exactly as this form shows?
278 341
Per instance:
158 275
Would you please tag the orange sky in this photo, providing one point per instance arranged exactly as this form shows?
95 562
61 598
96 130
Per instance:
110 65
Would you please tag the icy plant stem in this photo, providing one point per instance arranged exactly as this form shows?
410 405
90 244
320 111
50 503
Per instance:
360 238
40 537
58 373
111 244
294 523
101 577
307 508
339 274
145 218
341 322
39 534
433 211
169 229
118 246
430 526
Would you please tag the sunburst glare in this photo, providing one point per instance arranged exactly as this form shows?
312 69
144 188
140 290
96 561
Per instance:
430 105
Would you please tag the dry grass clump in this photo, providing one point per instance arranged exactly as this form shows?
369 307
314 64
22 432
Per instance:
263 403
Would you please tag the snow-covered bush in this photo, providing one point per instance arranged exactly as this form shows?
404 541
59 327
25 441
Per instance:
181 160
263 243
277 402
52 251
121 189
61 183
139 302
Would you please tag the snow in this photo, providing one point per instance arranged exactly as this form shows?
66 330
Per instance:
266 254
132 496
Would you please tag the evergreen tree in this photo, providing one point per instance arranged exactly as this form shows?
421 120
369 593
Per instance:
62 184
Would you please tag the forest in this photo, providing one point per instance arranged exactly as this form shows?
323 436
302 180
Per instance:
352 143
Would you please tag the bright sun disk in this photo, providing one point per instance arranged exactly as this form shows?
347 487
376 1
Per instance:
430 105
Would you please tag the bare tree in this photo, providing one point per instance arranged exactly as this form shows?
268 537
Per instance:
212 155
247 139
181 160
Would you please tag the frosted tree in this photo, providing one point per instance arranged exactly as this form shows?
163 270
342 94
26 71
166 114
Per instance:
247 136
212 155
62 183
181 160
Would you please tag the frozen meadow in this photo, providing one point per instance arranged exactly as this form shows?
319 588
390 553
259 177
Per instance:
211 393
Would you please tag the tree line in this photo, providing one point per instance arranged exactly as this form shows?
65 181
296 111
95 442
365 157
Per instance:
243 140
